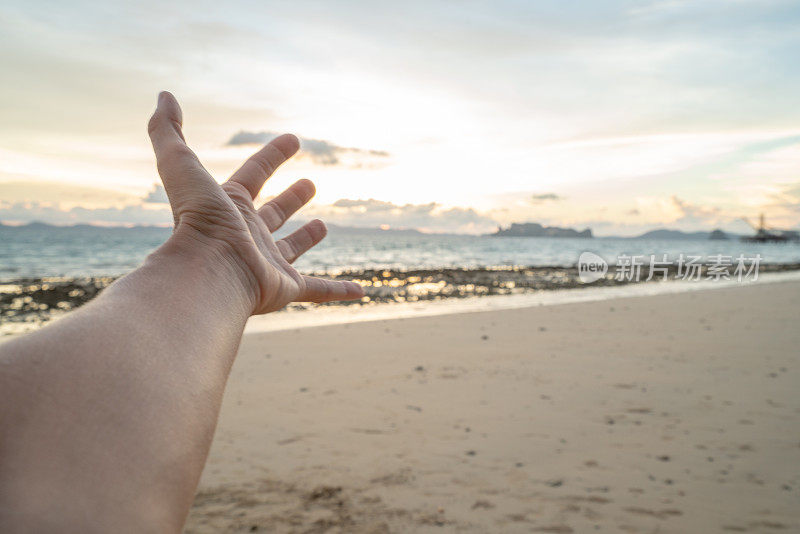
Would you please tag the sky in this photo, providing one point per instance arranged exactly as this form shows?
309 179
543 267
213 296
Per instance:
619 116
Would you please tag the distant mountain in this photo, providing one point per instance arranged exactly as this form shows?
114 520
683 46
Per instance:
335 229
288 228
537 230
664 233
515 230
35 225
357 230
38 225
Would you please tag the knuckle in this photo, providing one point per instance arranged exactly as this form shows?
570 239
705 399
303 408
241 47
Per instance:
181 151
270 217
278 211
237 191
179 155
153 123
263 163
287 249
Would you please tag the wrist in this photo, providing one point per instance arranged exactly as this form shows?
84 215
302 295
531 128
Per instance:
206 265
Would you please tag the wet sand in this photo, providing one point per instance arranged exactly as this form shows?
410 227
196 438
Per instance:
670 413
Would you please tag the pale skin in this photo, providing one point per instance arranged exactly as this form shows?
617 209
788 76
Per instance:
107 415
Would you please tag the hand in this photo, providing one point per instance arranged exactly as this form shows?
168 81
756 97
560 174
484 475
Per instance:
222 219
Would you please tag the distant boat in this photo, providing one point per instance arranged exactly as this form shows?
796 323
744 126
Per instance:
764 234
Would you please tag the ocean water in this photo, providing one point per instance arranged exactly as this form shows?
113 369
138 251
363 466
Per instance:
35 251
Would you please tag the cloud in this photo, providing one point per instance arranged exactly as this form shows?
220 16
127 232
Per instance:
320 151
50 192
251 138
431 217
782 208
157 195
673 212
370 204
789 196
544 197
365 213
688 212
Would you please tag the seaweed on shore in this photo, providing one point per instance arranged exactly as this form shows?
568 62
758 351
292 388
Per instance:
28 303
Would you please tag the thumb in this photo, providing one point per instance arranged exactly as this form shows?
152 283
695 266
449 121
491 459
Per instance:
177 164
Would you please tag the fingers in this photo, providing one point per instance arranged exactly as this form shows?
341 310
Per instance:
177 164
260 166
321 290
300 241
278 210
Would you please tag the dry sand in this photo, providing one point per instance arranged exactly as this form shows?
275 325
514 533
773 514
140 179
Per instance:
673 413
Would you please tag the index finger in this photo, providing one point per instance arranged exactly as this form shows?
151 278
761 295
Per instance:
260 166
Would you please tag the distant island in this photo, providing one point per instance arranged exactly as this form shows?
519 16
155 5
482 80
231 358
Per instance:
718 235
537 230
664 233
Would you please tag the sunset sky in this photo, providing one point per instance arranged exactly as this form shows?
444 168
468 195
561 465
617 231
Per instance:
443 116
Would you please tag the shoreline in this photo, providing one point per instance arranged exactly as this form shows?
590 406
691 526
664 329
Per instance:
28 303
323 316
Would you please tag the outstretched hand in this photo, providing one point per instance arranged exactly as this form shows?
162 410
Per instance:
222 219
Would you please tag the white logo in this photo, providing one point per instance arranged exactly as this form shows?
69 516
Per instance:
591 267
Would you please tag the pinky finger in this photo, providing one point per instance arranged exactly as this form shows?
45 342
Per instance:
321 290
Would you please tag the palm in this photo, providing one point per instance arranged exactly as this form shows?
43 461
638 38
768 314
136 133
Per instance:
226 214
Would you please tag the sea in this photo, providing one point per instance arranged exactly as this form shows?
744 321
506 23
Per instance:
79 251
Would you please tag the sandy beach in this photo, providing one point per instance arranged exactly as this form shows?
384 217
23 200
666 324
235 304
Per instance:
671 413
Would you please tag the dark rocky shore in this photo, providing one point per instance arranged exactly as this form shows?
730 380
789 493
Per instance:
28 303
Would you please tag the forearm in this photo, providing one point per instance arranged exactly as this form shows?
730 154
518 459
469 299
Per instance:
107 415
